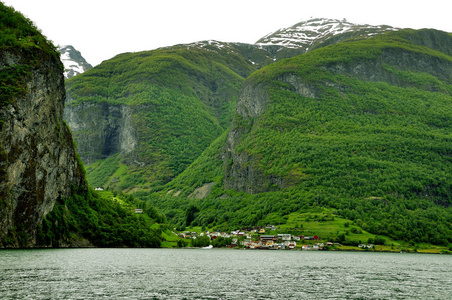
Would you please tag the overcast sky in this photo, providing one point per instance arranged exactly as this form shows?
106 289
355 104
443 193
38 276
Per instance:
101 29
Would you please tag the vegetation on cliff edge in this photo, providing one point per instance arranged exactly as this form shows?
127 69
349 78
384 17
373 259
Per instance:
18 35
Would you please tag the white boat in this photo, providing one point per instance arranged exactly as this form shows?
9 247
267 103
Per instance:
208 247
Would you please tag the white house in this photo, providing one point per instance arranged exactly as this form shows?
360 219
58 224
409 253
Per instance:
284 236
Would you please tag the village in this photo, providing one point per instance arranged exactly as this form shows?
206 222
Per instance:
256 238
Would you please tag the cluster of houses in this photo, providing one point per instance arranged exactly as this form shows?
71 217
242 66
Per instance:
366 246
254 238
281 241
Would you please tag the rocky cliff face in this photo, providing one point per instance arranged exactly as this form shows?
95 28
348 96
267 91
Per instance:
39 164
241 168
114 129
240 171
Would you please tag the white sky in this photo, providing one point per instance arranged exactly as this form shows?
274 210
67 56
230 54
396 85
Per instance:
101 29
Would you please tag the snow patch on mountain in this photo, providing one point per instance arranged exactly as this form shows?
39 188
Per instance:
73 61
307 33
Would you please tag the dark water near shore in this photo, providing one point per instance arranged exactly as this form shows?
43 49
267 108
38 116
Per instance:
221 274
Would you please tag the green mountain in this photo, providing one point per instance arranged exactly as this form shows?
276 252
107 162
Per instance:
141 118
44 198
361 129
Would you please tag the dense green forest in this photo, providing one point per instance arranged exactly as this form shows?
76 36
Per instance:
102 219
371 141
95 218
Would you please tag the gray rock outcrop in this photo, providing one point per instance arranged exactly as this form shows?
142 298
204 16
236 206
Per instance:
102 129
38 165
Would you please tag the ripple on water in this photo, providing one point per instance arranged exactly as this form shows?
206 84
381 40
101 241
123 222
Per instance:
220 274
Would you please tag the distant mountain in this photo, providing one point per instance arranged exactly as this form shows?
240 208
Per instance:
315 32
73 61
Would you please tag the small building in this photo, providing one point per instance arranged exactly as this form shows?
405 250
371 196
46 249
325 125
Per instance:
284 236
268 238
138 211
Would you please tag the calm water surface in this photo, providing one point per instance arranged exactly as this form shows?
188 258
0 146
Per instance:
221 274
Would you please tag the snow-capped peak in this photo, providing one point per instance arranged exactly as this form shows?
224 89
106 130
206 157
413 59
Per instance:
73 61
308 33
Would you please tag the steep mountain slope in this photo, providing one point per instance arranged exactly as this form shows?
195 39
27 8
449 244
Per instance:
140 118
362 127
365 62
73 61
44 197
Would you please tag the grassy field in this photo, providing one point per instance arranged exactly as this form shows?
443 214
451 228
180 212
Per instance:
326 225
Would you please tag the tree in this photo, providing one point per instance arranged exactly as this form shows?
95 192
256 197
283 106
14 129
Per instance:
201 241
379 240
181 243
190 214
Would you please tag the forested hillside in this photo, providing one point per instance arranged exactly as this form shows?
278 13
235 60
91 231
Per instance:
361 128
358 127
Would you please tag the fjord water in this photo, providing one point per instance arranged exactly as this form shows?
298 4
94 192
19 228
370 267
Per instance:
221 274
